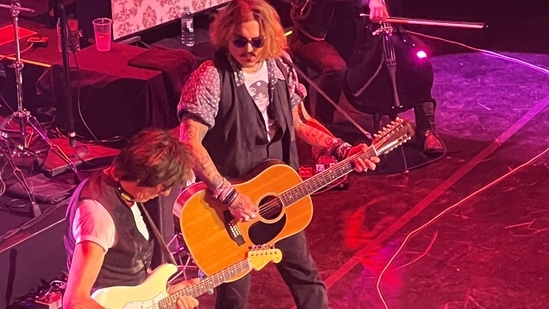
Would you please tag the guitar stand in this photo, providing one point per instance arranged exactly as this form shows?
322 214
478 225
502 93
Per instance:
176 245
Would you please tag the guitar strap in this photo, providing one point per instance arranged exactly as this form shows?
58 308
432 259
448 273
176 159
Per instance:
157 236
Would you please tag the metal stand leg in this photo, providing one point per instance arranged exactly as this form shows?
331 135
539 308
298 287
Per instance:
176 245
22 119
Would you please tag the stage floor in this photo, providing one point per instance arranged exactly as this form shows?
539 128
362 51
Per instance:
469 230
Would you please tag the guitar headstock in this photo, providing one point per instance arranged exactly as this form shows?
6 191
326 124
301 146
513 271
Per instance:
394 134
259 256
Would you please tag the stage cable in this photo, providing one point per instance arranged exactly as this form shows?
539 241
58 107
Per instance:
3 185
444 212
26 49
484 51
419 229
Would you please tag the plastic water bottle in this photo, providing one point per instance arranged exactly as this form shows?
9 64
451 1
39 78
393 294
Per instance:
187 28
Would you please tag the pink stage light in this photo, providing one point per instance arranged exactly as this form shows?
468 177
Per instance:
421 54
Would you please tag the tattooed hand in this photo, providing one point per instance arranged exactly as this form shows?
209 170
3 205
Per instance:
243 209
362 164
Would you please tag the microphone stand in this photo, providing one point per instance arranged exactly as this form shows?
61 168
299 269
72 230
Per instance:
66 69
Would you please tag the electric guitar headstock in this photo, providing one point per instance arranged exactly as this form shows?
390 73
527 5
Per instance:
259 256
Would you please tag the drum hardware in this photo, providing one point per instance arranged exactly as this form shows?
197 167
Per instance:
18 129
176 245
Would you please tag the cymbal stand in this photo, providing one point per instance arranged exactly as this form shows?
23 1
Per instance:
22 117
5 150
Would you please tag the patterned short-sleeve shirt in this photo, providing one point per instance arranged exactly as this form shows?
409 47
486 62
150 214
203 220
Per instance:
202 92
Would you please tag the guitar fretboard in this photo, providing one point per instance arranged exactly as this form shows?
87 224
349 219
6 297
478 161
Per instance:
323 179
206 284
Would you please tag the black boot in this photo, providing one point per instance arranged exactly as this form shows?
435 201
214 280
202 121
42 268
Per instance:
425 128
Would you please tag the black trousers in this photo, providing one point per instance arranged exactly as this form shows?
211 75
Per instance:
298 270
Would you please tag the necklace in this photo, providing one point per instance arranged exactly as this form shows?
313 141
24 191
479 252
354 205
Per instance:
122 193
255 68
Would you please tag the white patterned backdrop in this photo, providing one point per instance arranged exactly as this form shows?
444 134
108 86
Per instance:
130 16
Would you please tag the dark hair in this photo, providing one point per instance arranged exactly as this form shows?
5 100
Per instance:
152 157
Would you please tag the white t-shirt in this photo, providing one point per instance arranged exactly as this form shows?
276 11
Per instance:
258 87
92 222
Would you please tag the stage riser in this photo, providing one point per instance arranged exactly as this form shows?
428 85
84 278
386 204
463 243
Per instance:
41 256
41 252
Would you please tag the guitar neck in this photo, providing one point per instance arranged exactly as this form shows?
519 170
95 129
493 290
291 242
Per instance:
206 284
323 179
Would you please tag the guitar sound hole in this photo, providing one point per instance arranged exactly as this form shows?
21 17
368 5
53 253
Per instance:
270 207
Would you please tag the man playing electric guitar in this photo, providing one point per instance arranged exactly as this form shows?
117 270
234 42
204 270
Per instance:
108 241
246 106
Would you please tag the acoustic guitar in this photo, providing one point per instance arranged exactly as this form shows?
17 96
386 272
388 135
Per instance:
215 240
152 292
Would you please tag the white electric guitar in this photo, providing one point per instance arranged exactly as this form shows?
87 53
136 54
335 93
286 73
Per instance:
152 292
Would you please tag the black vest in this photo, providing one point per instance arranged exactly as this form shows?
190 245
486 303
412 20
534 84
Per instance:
126 263
238 142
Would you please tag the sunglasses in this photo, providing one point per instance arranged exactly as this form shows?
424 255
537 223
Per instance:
256 42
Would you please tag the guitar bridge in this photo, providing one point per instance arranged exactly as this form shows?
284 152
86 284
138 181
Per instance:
232 228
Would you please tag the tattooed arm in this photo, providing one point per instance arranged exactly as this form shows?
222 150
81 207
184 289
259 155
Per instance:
191 134
311 131
315 134
198 108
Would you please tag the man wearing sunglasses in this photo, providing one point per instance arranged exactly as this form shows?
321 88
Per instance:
246 106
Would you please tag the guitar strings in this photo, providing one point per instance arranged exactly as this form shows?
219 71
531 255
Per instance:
277 203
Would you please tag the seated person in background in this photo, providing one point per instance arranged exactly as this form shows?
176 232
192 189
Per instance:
313 20
107 240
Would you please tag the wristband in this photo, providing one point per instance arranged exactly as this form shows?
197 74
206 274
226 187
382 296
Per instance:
225 193
340 149
230 200
223 190
343 151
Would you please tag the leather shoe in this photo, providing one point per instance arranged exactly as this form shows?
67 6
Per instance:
432 144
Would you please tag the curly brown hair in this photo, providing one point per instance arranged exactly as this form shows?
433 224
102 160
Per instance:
153 157
239 11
